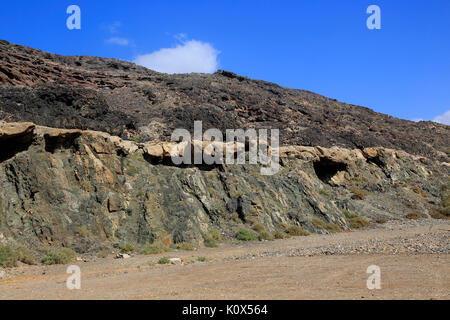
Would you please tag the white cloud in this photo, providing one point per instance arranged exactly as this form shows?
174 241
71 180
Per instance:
118 41
443 118
113 27
190 56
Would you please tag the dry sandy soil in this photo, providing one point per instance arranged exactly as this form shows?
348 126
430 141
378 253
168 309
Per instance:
413 257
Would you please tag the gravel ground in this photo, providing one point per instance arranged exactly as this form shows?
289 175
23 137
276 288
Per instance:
413 256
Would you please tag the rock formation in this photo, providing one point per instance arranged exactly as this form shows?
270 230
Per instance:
85 156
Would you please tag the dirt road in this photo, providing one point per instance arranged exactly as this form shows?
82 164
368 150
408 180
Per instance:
413 258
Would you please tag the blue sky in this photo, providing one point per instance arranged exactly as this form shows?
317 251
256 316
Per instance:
319 45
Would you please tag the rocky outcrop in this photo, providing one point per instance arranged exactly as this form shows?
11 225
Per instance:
87 189
130 101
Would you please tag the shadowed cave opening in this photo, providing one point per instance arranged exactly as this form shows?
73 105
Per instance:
12 145
326 168
63 141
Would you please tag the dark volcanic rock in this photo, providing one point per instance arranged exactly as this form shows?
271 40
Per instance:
106 94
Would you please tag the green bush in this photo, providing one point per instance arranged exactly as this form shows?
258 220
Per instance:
296 231
102 254
8 257
264 235
355 220
58 256
246 235
24 256
293 230
329 226
235 217
156 247
349 215
202 259
163 260
126 248
358 222
279 234
258 227
358 194
215 234
209 242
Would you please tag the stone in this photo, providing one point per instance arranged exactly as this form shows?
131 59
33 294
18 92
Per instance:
175 261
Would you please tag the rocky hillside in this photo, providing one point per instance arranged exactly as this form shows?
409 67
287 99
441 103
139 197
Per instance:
85 164
131 101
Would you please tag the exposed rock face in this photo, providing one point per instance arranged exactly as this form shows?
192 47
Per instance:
129 101
70 174
88 189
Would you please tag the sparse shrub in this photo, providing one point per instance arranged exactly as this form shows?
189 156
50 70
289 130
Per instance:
58 256
136 139
329 226
156 247
202 259
349 214
380 220
185 246
8 257
246 235
212 191
235 217
355 220
264 235
445 199
84 232
413 216
279 234
165 239
438 215
296 231
262 232
102 254
292 230
132 170
86 185
126 247
325 193
215 234
237 194
24 256
358 194
163 260
210 242
358 222
258 227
